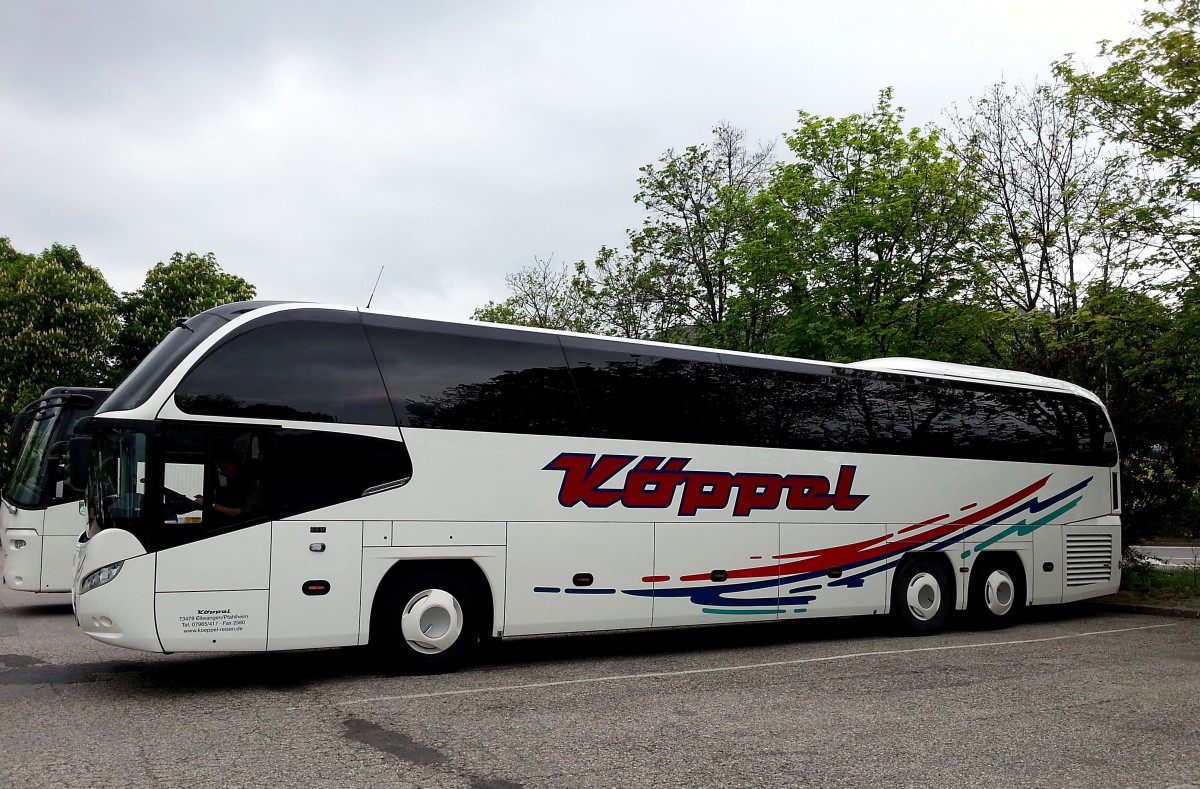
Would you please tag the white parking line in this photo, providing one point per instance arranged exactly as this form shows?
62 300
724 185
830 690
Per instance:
742 667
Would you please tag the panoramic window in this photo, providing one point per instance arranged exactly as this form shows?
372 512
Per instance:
798 409
476 380
158 364
651 396
305 366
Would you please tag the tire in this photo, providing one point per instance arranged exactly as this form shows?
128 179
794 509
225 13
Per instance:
996 594
429 624
922 595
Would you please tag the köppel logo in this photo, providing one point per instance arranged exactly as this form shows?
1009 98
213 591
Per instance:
652 483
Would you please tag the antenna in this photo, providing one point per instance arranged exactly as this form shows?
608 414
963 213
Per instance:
372 296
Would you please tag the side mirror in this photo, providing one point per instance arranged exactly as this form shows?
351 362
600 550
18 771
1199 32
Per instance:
79 450
17 434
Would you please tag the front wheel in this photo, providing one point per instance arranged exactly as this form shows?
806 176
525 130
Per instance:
922 595
429 624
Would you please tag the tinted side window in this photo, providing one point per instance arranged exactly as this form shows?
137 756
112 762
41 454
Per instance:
1101 444
955 420
801 410
653 398
473 382
939 419
881 406
312 469
1020 427
1081 428
314 368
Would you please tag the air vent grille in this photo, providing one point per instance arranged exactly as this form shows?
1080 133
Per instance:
1089 559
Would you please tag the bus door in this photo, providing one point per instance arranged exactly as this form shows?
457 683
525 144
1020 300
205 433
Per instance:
316 576
214 563
65 519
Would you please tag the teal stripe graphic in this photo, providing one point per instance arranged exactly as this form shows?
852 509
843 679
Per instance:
1022 529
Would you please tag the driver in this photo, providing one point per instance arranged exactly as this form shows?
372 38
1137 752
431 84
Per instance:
240 495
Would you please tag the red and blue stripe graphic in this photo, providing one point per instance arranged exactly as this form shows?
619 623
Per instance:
793 578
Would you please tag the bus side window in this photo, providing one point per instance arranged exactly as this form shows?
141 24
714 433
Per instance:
651 397
183 484
476 381
314 469
796 408
235 492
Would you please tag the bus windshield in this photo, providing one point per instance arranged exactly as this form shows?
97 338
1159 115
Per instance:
117 482
170 353
31 452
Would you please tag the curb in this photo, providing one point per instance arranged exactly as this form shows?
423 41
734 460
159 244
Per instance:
1148 610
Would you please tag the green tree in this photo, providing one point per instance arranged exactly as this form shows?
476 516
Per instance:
543 295
1067 209
185 285
698 206
871 234
57 324
621 292
677 280
1149 94
1140 355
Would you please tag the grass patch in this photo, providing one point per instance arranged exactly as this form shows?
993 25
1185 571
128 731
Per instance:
1161 583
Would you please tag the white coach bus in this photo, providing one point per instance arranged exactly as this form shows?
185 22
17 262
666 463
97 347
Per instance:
41 517
281 476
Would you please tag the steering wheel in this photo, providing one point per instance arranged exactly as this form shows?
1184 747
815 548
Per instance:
178 502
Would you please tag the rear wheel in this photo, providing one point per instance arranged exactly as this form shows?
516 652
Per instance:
922 595
996 595
429 624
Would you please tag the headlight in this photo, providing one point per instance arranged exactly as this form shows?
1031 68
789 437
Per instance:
100 577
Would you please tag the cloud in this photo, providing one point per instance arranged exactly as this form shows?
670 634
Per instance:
307 145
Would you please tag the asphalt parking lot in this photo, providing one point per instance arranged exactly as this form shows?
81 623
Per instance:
1075 696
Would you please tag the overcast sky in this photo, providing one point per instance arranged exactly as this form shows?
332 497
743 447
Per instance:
308 144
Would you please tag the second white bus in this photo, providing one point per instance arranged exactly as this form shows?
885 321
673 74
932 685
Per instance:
41 518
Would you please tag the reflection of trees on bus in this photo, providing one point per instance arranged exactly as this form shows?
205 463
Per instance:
842 410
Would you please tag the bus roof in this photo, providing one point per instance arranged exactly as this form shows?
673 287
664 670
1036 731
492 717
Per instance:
970 372
897 365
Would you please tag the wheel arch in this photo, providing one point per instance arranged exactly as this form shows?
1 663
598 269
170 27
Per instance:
921 592
937 556
466 569
1009 560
